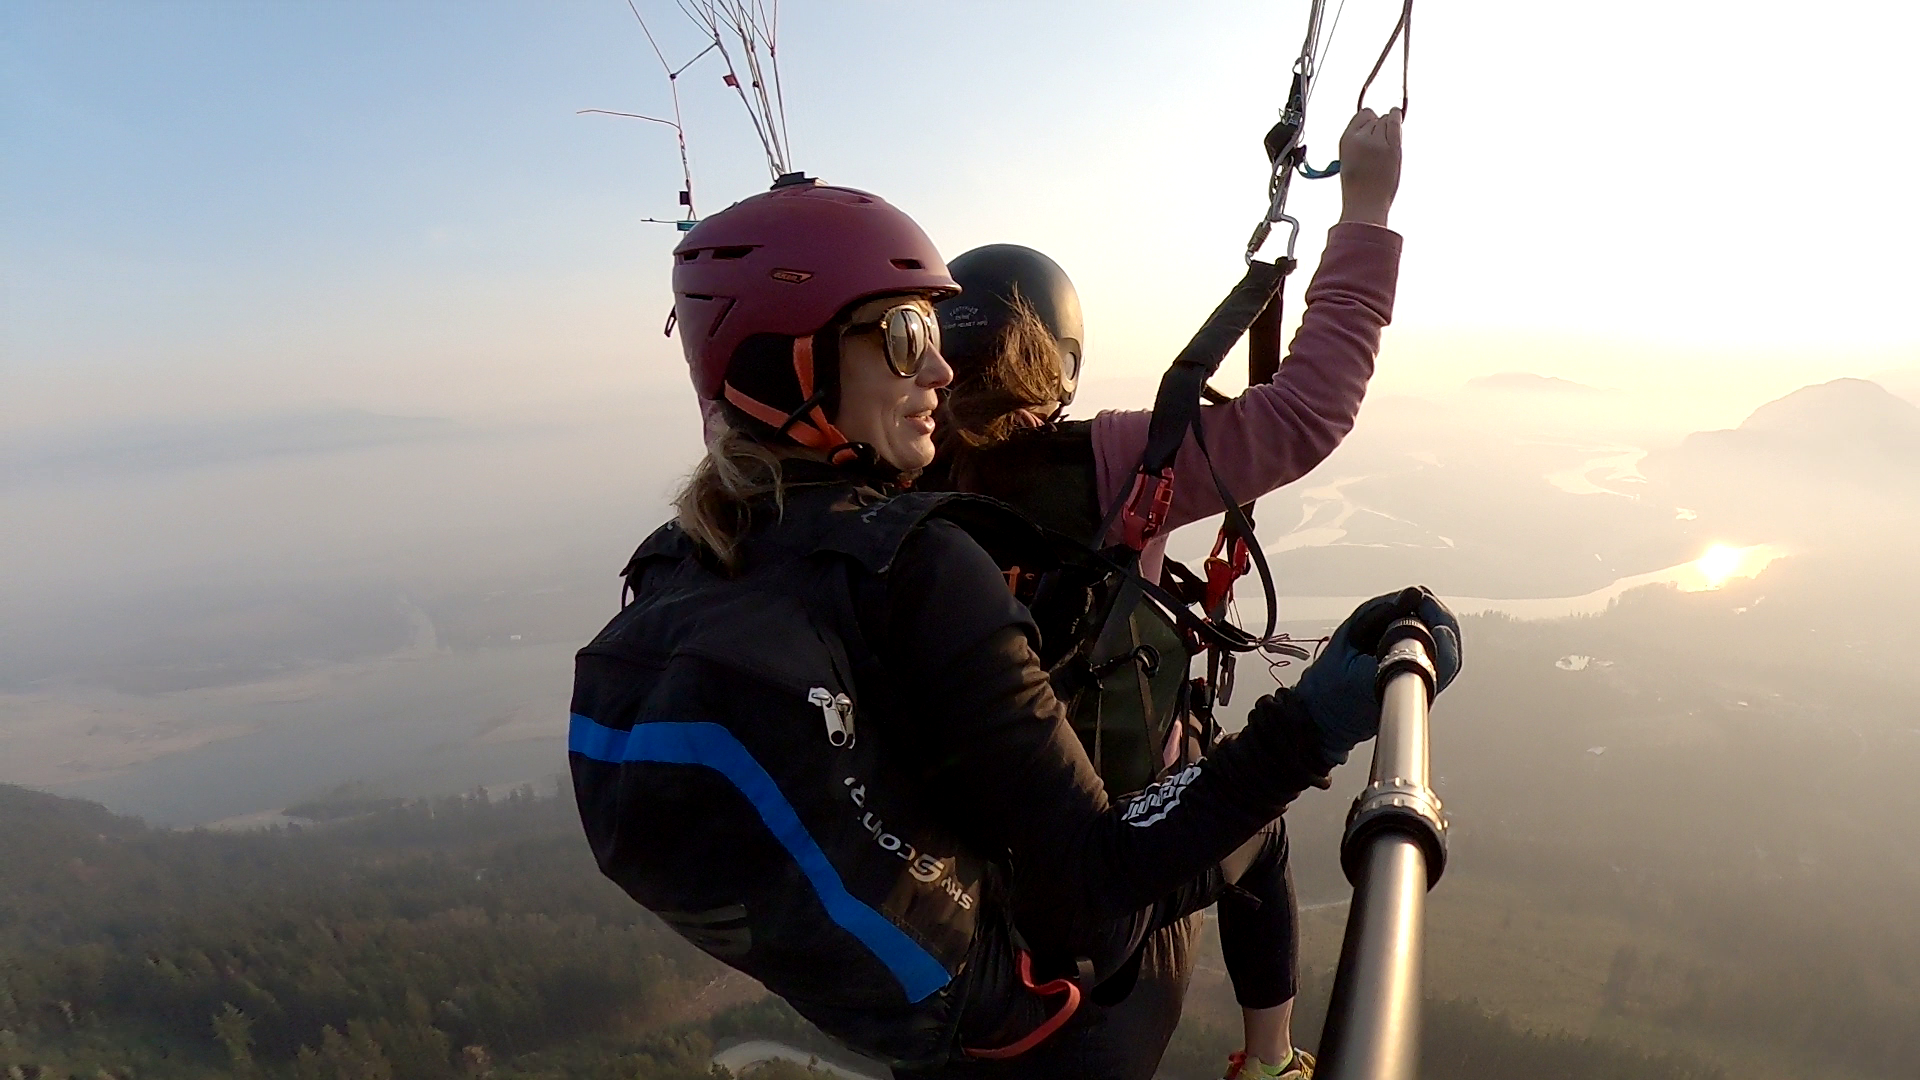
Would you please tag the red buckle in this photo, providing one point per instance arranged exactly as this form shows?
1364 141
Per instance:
1154 492
1222 573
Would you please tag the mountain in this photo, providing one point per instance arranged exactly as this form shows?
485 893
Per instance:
151 448
1828 468
1902 381
1821 448
49 843
1837 416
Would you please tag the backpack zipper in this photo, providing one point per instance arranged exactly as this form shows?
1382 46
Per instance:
837 710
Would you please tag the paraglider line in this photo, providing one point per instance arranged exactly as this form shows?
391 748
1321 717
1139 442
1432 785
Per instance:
1325 45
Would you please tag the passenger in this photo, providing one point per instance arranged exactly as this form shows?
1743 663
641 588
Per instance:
818 741
1016 341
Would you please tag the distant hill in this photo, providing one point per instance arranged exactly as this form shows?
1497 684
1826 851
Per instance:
26 814
49 844
1848 433
1902 381
1839 414
1527 382
219 441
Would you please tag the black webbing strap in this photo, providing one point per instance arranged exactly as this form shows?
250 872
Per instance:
1176 411
1263 363
1263 340
1177 405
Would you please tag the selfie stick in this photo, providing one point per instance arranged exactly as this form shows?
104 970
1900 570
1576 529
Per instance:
1394 851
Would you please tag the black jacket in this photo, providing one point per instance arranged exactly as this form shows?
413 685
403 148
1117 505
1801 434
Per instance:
958 736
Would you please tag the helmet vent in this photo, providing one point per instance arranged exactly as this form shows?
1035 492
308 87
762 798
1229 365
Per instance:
732 252
909 264
698 296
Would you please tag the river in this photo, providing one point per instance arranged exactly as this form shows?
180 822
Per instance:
1687 577
740 1057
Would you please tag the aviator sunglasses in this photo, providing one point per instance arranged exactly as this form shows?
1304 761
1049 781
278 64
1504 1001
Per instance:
908 332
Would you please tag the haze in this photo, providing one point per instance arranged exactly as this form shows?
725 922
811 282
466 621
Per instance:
335 395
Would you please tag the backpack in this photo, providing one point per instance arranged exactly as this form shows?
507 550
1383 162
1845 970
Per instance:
1136 718
732 776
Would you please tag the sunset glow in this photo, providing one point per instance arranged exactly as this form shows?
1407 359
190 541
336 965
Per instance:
1720 563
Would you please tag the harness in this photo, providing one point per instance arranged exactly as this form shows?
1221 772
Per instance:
1252 308
1129 716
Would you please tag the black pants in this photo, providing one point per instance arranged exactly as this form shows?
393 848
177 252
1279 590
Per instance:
1142 966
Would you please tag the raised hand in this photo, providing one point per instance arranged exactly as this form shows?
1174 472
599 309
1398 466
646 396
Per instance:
1369 166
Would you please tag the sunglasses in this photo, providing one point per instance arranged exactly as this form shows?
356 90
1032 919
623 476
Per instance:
909 333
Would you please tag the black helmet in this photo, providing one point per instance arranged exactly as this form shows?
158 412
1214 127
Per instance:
971 324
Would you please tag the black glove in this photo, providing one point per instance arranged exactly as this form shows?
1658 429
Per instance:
1338 687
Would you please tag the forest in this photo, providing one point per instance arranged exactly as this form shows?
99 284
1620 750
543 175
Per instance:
455 937
1667 862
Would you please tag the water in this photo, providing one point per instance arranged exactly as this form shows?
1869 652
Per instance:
1687 576
740 1057
446 721
1618 469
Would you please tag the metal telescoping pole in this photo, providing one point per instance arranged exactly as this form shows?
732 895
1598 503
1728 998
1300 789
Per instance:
1394 851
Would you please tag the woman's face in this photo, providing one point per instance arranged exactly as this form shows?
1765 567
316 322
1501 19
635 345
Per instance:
888 412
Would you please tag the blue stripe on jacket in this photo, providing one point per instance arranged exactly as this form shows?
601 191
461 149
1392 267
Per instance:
714 747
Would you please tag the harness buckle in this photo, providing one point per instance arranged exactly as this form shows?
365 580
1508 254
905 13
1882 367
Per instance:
1147 507
1223 572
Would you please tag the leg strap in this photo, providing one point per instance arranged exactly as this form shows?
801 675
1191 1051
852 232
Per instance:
1069 987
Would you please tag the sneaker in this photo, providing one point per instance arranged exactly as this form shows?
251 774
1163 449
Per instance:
1242 1067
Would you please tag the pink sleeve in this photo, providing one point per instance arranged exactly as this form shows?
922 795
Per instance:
1274 434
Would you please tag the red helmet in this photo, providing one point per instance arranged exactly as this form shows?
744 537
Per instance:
786 263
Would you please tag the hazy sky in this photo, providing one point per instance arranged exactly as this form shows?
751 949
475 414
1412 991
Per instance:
228 207
230 233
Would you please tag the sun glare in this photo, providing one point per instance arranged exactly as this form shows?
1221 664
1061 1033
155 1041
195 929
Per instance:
1719 563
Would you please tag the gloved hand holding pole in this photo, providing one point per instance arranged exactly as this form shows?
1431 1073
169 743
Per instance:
1339 689
1395 844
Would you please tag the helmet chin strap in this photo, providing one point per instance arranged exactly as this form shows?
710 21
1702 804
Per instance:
808 424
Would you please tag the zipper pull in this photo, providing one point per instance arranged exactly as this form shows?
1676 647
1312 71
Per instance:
837 710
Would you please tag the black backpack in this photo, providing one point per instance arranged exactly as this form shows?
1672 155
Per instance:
732 775
1128 714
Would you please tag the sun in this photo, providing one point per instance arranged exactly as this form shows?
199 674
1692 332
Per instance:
1719 563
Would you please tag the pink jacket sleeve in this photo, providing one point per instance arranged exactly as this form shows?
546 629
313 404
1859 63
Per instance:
1274 434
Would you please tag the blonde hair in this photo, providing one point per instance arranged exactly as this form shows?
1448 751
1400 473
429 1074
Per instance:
714 505
1022 371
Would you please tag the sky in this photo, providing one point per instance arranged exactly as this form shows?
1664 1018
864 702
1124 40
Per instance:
322 320
230 208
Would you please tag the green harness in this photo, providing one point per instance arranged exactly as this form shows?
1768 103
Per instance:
1136 717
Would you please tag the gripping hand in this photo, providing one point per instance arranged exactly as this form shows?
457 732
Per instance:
1338 687
1370 166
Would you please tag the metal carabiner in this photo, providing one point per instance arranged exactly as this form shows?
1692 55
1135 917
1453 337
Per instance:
1265 229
